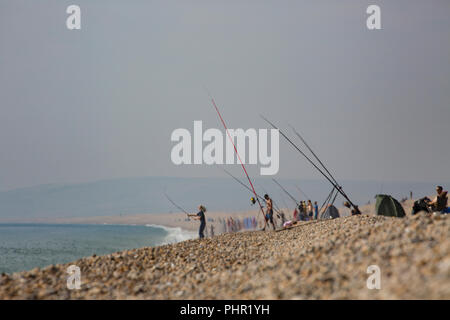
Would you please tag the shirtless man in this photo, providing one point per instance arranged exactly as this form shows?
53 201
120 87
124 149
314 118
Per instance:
269 211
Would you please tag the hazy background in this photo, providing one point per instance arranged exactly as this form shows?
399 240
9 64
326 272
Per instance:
101 102
129 196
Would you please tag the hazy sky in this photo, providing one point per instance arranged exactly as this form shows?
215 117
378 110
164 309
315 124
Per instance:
102 102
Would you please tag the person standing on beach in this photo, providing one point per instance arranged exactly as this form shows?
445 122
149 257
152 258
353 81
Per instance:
295 216
310 209
282 217
269 211
316 210
200 216
302 211
305 210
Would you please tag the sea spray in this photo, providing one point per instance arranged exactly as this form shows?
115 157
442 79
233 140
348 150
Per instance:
174 234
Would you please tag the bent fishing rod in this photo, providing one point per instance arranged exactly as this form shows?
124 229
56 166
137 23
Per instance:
173 202
240 160
290 196
338 188
242 184
277 210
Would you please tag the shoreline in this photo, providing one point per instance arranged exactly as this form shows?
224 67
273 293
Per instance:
323 260
158 235
178 219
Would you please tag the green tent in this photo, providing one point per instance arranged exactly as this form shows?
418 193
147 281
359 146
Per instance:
388 206
330 213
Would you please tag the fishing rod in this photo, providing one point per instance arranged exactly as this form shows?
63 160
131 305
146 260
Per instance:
290 196
327 201
338 188
262 188
242 184
277 209
324 167
240 160
334 199
246 187
301 191
284 201
173 202
314 154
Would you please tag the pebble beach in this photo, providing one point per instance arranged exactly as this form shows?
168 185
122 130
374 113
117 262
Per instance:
325 259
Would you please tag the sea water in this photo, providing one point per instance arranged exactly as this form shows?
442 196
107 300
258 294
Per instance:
26 246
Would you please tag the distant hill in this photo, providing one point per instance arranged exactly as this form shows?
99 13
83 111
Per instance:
145 195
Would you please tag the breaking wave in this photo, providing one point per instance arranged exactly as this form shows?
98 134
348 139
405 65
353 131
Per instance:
174 234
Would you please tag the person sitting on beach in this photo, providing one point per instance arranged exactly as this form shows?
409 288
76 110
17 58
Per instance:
288 224
269 211
439 203
353 211
200 216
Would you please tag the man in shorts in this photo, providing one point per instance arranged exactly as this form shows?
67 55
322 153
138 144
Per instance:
269 211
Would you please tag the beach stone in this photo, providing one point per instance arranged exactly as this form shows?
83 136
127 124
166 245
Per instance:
325 259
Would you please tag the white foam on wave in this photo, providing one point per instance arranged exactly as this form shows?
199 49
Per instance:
174 234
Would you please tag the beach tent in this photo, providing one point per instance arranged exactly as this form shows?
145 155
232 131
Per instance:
330 213
388 206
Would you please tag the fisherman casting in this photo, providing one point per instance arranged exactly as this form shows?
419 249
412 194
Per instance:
200 216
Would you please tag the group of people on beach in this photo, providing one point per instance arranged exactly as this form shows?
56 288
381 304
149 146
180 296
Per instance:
229 224
234 225
306 211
